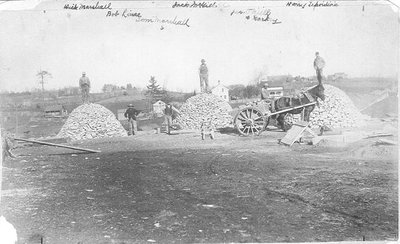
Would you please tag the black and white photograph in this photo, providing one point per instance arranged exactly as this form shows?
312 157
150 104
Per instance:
199 121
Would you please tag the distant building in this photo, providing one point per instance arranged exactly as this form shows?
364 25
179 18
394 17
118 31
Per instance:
221 91
158 107
55 111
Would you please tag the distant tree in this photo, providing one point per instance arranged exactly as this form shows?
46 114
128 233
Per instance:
154 91
237 91
251 91
153 88
43 75
109 88
129 86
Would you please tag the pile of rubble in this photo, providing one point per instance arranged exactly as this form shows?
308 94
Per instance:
90 121
337 111
204 107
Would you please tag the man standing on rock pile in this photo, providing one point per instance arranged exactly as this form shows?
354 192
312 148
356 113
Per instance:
203 73
319 64
84 84
131 114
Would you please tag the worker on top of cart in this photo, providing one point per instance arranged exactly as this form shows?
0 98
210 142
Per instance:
264 92
265 96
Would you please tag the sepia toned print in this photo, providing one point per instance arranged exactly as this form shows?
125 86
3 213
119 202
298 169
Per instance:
198 121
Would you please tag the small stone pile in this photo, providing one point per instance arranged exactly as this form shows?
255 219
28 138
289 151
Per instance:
337 111
90 121
204 107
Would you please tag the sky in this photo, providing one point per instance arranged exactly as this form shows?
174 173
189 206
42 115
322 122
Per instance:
358 38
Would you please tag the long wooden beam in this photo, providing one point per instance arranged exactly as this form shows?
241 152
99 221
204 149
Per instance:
57 145
293 108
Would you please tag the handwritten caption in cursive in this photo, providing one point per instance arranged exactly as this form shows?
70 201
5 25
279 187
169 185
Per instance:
261 15
311 4
137 16
80 6
194 4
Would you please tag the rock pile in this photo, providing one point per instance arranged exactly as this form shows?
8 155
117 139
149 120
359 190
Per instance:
208 107
90 121
337 111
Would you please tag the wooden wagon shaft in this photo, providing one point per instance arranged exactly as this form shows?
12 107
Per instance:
293 108
58 145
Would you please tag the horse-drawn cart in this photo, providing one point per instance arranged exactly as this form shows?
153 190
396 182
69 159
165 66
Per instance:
255 117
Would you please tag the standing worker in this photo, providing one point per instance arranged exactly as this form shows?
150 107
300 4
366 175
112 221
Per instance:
203 73
84 84
169 111
131 114
319 64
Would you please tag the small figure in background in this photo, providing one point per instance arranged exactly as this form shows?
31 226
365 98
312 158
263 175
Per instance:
207 128
131 114
203 73
84 84
168 112
319 64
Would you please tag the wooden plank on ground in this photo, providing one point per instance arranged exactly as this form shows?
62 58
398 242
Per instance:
57 145
294 133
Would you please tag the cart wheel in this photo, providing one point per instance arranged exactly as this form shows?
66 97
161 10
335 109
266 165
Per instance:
250 121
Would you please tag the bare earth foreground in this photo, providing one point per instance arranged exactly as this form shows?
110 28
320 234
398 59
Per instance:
180 189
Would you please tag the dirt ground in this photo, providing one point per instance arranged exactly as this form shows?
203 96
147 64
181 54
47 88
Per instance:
179 189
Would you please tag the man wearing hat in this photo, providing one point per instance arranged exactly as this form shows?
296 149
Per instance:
319 64
168 112
84 84
131 114
264 92
203 73
265 96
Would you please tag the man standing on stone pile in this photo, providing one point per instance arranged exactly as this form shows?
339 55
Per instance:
169 111
131 114
203 73
84 84
319 64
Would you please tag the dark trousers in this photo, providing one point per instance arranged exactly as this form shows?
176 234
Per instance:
168 121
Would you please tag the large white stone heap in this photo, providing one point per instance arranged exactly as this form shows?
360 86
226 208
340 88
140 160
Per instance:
206 107
337 111
90 121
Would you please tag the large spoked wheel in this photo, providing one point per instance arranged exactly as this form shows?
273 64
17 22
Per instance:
250 122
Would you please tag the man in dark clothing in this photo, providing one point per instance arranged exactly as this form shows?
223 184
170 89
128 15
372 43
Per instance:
319 64
131 114
169 111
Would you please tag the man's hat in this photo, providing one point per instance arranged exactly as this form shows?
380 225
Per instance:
316 53
265 84
130 105
83 73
